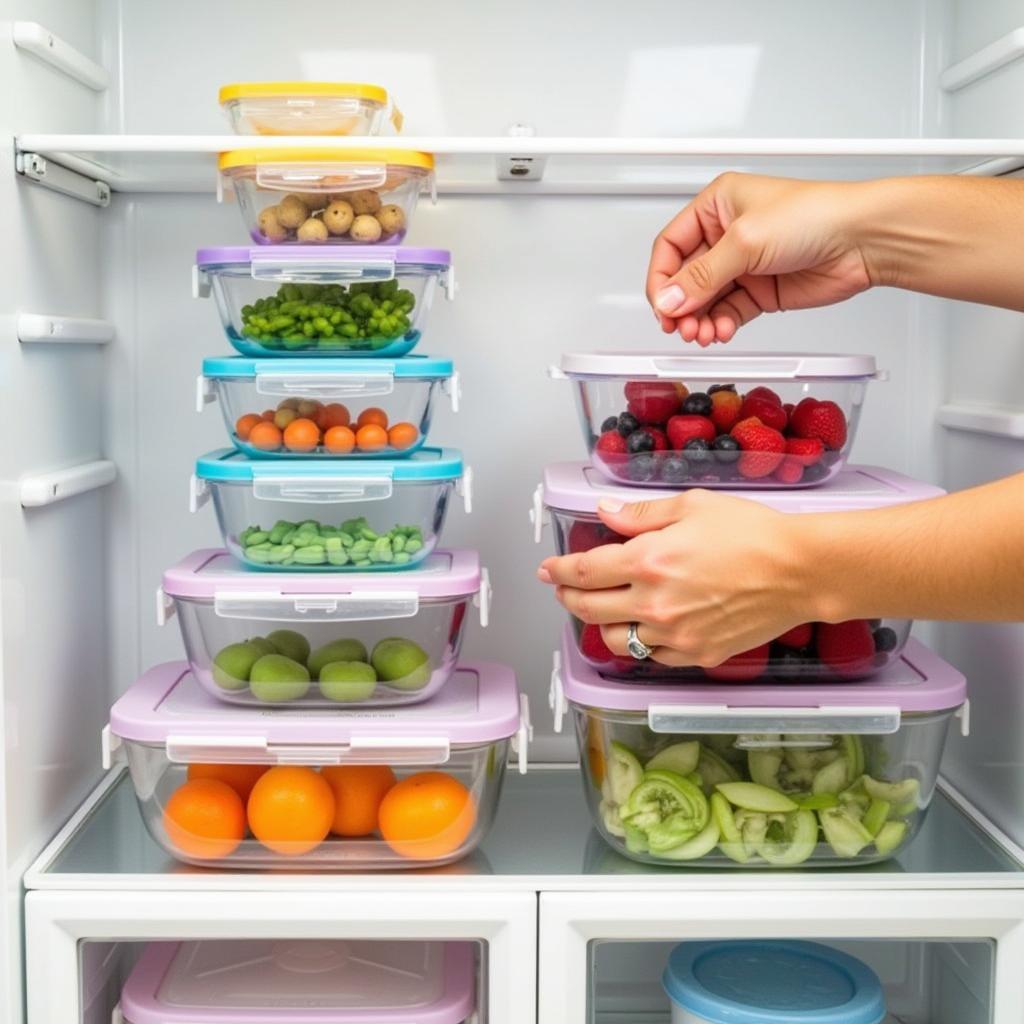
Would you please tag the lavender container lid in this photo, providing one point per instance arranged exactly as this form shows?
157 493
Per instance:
478 705
232 255
443 575
577 487
918 681
145 999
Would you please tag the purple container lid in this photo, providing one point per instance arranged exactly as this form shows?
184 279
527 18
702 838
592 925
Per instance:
478 705
918 681
443 575
222 255
151 994
578 487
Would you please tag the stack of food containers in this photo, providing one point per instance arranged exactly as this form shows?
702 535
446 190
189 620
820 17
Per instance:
827 752
285 740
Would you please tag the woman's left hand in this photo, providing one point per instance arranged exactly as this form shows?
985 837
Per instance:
705 576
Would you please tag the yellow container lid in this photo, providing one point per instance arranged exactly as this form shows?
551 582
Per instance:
396 157
262 90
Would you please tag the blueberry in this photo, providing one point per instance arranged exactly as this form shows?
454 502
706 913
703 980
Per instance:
642 467
675 470
698 451
886 640
640 441
697 404
612 423
726 448
790 664
627 423
721 387
816 472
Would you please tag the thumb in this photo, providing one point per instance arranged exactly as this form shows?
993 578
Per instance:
642 516
698 282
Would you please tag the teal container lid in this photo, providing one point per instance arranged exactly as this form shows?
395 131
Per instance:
428 465
762 982
407 368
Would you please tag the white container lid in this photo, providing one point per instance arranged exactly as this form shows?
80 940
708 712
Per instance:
301 982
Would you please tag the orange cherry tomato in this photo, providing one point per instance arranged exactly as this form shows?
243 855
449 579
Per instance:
371 438
301 435
240 777
244 425
268 415
402 436
334 415
339 440
377 417
205 819
291 809
427 816
265 436
358 792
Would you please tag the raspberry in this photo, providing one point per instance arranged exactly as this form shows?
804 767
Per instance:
584 535
791 472
611 442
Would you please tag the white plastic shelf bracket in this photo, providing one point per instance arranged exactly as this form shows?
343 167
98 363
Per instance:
38 40
58 484
43 171
979 418
65 330
997 54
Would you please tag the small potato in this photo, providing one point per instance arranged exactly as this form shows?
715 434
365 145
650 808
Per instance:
365 229
312 230
314 200
292 211
366 201
392 219
338 217
270 227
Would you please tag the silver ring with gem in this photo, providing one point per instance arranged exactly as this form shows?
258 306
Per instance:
636 647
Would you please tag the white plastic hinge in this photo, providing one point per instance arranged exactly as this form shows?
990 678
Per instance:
556 693
453 389
433 189
111 745
882 375
205 392
521 740
448 281
556 373
164 607
482 598
539 515
464 488
198 493
200 283
116 1017
963 713
220 187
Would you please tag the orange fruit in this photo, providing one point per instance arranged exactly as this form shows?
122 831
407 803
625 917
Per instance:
402 436
268 415
427 816
245 424
266 437
301 435
205 819
334 415
371 438
358 791
291 810
339 440
284 416
240 777
378 417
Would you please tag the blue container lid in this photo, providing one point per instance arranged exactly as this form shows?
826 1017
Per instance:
416 367
405 257
761 982
428 465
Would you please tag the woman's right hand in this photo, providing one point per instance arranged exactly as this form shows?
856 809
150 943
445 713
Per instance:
748 245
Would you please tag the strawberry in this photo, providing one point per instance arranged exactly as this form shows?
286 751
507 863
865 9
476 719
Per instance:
848 648
798 636
762 449
806 450
791 472
660 440
787 408
725 410
741 668
584 535
768 412
685 428
593 647
823 420
652 402
763 392
611 442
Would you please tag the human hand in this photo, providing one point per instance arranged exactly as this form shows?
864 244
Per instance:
705 575
748 245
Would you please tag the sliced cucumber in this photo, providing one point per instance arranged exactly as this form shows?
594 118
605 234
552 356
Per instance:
753 826
764 766
624 772
799 837
611 818
673 831
713 769
891 836
680 757
853 751
902 795
753 797
636 841
665 794
721 811
876 816
699 846
815 801
845 834
833 778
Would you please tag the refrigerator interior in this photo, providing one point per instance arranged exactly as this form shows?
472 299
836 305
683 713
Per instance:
560 267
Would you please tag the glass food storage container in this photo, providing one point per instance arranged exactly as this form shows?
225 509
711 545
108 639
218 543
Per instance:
327 196
657 419
239 788
326 409
385 514
308 108
830 652
323 641
307 300
759 776
770 982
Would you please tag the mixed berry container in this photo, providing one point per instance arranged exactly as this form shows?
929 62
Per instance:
316 301
355 640
760 776
658 419
241 788
831 652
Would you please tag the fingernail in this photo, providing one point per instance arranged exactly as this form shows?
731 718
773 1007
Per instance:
669 299
543 575
610 505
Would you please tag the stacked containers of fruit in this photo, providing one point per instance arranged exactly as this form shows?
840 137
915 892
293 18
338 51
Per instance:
332 591
836 761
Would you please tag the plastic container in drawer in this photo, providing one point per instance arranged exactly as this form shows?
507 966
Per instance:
759 776
832 652
657 419
307 300
297 640
308 108
327 196
301 981
326 409
331 515
231 787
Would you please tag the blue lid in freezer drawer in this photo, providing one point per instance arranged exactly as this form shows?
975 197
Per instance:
408 368
428 465
766 982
